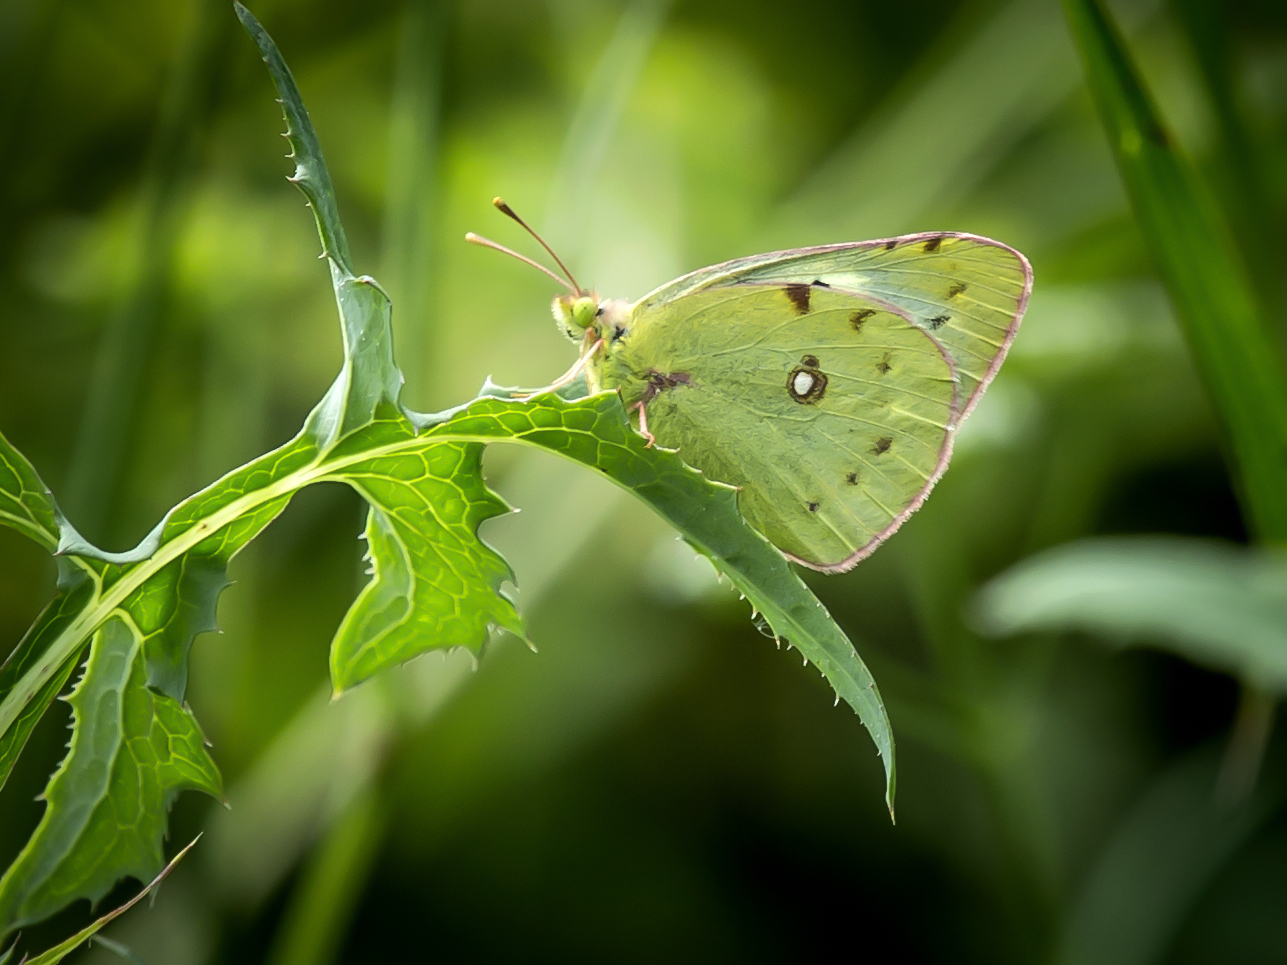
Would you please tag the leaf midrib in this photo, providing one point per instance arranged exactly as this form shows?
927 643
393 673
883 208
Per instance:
92 617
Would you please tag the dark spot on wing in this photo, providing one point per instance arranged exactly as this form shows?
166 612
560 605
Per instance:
883 365
938 321
799 295
618 332
810 361
813 507
857 318
891 244
956 289
659 382
882 445
819 283
851 478
816 385
932 244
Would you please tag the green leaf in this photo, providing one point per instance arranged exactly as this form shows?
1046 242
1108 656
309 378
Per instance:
369 379
596 433
166 589
1235 151
427 554
1200 264
1218 605
28 680
132 751
65 948
311 175
434 584
25 503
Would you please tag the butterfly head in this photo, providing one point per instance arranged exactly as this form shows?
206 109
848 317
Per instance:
581 315
585 316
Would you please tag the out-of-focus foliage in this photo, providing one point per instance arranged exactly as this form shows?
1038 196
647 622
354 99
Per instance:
657 781
1220 606
1192 243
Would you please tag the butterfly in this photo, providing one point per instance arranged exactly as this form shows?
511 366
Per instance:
825 383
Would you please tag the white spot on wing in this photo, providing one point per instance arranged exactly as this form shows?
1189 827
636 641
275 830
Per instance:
803 383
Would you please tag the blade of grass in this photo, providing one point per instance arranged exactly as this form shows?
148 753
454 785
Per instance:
63 949
1202 269
1237 161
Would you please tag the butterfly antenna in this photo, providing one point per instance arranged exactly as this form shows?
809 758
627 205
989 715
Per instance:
506 210
488 243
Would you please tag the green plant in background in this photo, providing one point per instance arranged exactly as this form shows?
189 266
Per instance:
1217 605
1193 596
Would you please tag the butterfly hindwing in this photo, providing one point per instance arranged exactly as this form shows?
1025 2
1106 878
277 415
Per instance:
829 409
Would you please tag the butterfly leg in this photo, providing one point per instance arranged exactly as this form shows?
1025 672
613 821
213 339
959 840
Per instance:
567 376
643 423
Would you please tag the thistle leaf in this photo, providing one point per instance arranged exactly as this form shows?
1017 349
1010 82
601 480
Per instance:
132 751
25 503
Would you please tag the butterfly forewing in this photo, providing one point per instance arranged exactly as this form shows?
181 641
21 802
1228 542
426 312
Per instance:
969 292
830 410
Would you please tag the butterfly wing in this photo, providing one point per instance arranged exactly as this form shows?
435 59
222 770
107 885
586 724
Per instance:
969 292
830 411
895 339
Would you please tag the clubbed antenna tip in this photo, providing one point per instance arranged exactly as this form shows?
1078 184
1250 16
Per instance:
506 210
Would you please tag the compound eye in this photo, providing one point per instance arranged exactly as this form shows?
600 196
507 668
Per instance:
584 311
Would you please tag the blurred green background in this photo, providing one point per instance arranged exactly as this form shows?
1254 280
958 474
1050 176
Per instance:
658 782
